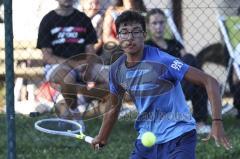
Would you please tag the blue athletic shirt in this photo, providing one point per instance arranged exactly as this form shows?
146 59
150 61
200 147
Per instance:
154 85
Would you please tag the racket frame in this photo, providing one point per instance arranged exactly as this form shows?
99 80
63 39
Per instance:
75 134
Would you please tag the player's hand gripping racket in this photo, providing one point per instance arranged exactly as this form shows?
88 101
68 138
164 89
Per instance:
57 126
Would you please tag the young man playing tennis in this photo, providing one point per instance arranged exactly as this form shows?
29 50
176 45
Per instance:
152 78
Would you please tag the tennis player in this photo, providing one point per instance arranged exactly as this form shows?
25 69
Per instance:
152 78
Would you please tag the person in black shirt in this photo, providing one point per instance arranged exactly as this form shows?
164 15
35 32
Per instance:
156 25
65 37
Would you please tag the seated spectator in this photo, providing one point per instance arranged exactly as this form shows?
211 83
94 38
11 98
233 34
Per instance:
156 24
92 9
65 36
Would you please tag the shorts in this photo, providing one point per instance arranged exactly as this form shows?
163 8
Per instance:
182 147
50 69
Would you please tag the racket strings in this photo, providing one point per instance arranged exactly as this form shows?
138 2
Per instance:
60 126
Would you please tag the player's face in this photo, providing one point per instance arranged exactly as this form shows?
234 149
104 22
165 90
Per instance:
157 25
66 3
131 37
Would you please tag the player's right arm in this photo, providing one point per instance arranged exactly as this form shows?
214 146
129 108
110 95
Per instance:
109 119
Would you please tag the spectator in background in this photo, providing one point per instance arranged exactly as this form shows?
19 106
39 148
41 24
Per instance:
156 24
65 35
92 9
109 33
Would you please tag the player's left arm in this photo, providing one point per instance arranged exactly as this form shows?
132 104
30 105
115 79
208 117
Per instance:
211 85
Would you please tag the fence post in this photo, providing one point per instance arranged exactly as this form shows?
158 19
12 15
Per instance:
9 69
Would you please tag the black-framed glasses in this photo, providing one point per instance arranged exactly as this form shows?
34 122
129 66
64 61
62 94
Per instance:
124 34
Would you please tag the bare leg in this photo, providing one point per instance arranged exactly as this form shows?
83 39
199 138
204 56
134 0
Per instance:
62 76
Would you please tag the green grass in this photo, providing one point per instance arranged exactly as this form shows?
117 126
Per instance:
32 144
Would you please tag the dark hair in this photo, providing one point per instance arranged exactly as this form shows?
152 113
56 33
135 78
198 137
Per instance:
130 16
138 5
238 12
154 11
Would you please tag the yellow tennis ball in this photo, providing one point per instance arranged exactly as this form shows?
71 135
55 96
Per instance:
148 139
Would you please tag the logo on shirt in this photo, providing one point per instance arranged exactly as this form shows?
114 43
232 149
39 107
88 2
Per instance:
147 80
124 86
67 35
177 65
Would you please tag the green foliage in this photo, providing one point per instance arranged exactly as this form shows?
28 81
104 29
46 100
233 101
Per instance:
32 144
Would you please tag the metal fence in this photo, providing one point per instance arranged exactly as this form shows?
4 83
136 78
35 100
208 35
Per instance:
197 23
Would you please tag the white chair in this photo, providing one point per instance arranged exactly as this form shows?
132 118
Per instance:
230 29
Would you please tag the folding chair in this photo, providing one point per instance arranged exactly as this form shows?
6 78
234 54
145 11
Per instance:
232 40
230 29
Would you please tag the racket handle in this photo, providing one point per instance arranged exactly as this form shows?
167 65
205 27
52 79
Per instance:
88 139
34 114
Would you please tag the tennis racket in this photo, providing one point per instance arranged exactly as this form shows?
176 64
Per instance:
63 127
